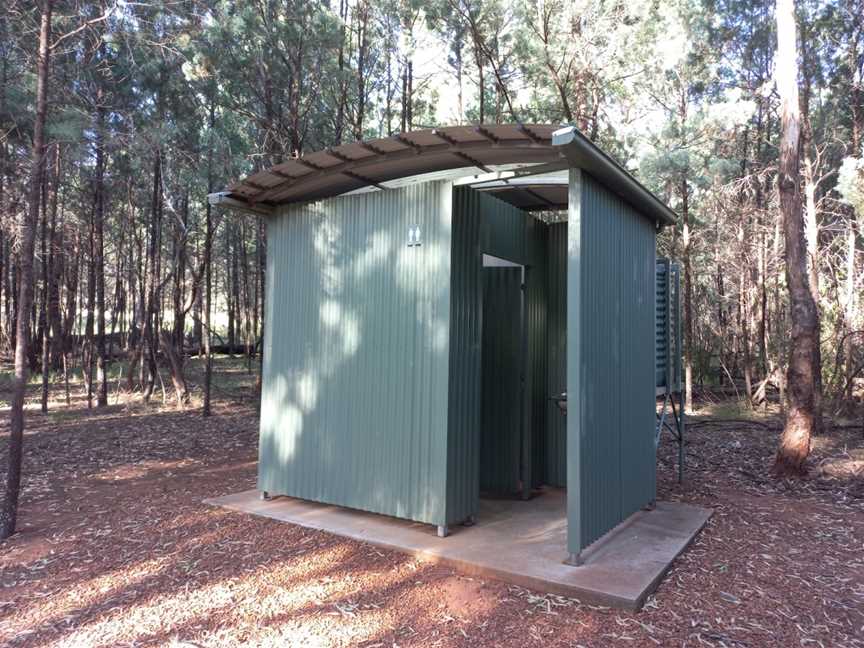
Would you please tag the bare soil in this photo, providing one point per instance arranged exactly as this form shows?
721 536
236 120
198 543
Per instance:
116 549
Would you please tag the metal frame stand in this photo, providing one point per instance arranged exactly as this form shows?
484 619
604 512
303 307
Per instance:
677 432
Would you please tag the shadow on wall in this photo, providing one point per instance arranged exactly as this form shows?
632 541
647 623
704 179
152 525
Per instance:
354 393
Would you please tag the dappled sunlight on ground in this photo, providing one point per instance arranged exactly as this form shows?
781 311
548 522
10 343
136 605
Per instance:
116 548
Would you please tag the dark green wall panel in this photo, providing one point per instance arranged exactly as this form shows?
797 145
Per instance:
612 370
537 295
556 423
501 390
463 429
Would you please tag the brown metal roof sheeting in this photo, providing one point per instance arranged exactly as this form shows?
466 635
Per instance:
351 166
476 149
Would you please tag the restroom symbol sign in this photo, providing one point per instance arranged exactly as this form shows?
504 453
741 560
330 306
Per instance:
413 235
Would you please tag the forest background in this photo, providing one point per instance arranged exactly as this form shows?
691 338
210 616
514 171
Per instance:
152 105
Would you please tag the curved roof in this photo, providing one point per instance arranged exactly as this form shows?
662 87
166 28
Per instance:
457 151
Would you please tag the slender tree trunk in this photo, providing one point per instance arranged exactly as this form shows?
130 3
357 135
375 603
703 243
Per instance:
688 294
849 309
91 310
178 295
28 225
801 416
762 329
56 262
233 289
208 271
73 238
151 323
47 243
99 255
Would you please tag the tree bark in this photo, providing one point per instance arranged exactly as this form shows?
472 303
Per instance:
25 301
99 254
208 270
849 309
688 295
50 205
801 415
151 325
89 345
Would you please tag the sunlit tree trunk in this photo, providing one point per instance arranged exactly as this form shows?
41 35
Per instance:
801 381
688 293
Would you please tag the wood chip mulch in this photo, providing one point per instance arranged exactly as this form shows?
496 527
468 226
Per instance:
116 549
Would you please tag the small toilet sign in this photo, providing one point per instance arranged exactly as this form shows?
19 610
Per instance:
413 235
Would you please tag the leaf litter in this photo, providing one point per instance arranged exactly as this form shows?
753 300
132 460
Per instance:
116 548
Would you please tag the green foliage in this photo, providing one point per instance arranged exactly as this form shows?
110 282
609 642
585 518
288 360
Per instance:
680 92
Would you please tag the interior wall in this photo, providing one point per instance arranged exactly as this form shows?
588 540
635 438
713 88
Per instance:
501 383
556 422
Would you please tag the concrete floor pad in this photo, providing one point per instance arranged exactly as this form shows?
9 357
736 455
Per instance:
519 542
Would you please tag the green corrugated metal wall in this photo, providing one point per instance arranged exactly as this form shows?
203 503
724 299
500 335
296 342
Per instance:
556 423
536 247
349 300
463 428
501 384
611 369
668 325
355 384
662 347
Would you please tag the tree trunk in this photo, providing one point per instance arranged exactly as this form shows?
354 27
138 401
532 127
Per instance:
28 224
150 338
44 323
849 311
801 415
208 271
99 255
178 377
56 263
91 309
688 295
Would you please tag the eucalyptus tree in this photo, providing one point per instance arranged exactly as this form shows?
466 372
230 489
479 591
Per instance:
801 417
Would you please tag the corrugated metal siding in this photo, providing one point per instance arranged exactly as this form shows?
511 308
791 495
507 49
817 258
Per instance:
503 231
501 391
668 325
662 322
617 361
355 384
676 327
556 423
536 248
466 289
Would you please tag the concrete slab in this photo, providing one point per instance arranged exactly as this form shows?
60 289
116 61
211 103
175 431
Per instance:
519 542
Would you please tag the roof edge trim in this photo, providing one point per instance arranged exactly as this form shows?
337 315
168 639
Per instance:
582 153
226 200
